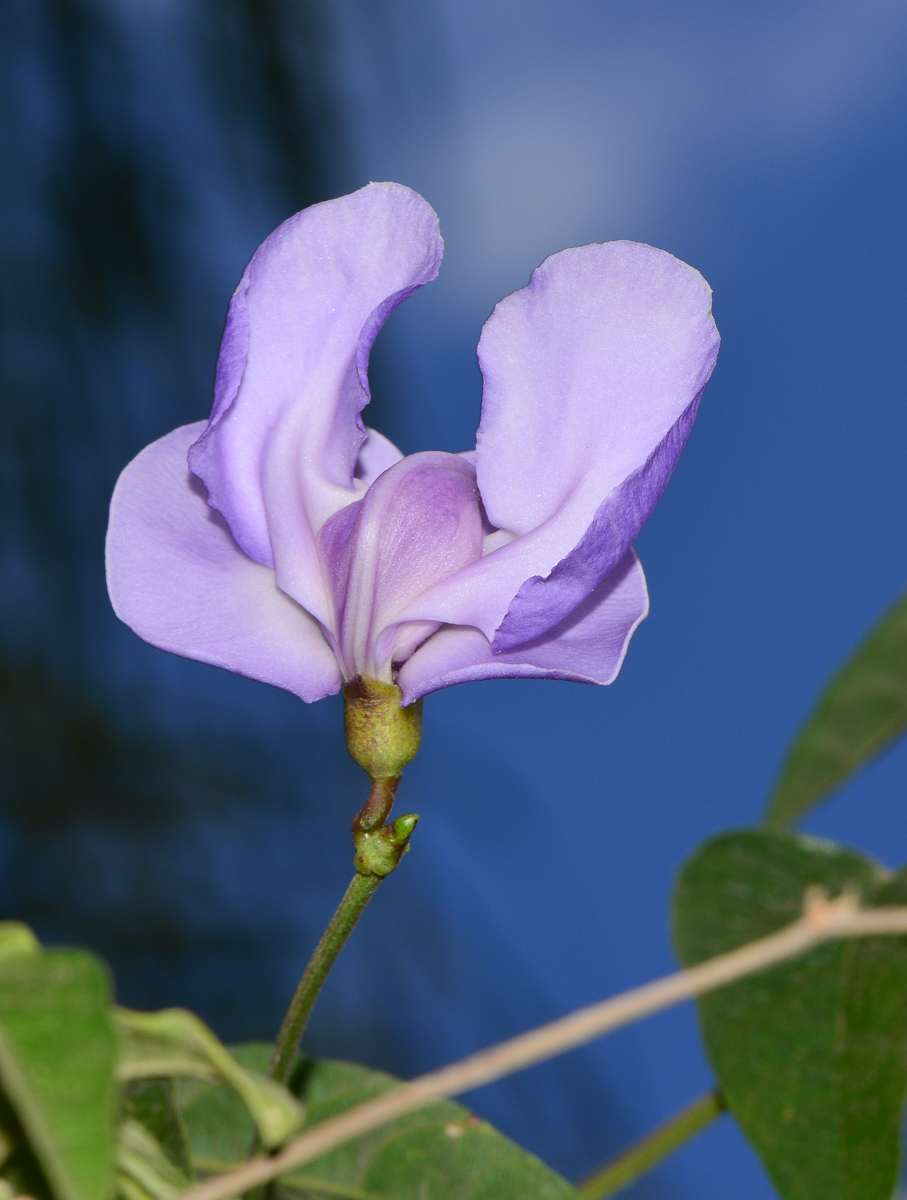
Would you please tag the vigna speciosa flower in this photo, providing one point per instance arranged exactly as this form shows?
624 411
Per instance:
284 540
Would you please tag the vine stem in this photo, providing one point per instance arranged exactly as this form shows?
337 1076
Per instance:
649 1151
823 920
341 925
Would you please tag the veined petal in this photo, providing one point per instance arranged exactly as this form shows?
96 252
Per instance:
279 453
419 522
593 373
588 647
179 580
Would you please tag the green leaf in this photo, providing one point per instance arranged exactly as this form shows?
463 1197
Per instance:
152 1102
176 1043
219 1125
57 1060
18 1166
862 709
144 1172
7 1146
440 1153
810 1054
872 1039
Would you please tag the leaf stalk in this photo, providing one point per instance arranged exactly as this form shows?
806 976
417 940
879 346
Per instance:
649 1151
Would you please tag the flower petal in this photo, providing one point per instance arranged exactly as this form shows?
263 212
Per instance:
588 647
419 522
178 579
543 602
593 374
279 453
378 453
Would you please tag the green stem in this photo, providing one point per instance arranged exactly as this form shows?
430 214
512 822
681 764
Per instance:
649 1152
349 910
379 848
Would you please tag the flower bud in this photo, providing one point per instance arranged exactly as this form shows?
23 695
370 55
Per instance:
381 736
378 851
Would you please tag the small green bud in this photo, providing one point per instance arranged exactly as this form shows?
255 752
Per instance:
16 939
381 735
378 851
403 827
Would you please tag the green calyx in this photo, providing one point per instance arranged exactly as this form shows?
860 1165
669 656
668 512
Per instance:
381 735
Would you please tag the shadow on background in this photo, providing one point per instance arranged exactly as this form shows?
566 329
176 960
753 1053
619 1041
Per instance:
142 154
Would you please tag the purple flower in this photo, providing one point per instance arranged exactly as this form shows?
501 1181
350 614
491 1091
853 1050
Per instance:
284 540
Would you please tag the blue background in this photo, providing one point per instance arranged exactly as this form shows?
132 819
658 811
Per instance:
191 825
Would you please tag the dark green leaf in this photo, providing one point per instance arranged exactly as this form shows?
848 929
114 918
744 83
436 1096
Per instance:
18 1166
57 1060
441 1153
10 1132
175 1043
861 711
144 1172
810 1054
152 1102
219 1125
872 1040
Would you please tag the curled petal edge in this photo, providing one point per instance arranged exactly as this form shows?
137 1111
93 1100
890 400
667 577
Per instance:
292 374
543 601
588 646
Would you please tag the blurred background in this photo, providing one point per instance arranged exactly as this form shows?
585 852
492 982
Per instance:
192 826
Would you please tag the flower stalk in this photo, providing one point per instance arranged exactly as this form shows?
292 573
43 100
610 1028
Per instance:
382 737
341 925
